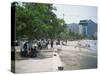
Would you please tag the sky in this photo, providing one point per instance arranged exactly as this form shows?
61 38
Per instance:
75 13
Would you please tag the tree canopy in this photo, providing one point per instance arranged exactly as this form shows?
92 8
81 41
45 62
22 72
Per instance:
35 20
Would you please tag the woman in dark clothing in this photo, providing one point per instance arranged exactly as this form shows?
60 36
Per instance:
51 44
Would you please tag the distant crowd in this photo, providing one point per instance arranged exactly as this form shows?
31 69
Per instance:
31 48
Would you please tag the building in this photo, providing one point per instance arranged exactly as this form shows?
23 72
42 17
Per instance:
87 27
73 27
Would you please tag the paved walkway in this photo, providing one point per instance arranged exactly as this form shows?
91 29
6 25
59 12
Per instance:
34 65
39 65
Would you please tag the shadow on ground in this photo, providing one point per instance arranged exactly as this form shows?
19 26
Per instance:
40 55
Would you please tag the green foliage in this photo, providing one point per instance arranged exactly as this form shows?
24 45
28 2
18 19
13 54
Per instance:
34 21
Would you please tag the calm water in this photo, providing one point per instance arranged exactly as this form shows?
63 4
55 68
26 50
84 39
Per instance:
89 59
87 62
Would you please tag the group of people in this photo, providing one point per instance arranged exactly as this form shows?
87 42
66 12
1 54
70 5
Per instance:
42 44
31 48
28 50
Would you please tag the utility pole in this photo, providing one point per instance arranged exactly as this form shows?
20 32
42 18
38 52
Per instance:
63 18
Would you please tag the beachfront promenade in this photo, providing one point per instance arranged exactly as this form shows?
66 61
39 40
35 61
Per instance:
72 56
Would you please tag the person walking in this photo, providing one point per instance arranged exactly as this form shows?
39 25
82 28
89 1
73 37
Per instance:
66 41
51 43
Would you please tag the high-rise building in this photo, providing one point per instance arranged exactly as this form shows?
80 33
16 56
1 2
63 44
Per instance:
87 27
